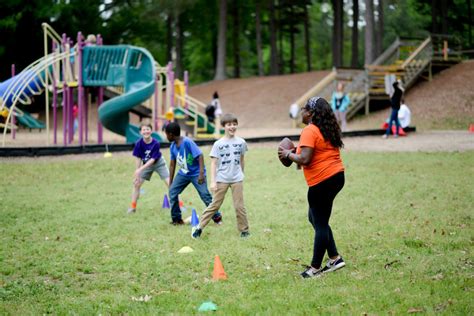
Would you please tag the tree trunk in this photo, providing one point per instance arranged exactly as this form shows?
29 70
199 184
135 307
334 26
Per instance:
337 37
369 31
221 41
258 31
273 42
434 17
179 46
169 37
292 44
355 34
469 22
444 16
279 30
235 38
380 29
307 46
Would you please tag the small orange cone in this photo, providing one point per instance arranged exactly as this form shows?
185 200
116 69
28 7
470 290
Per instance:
471 128
218 273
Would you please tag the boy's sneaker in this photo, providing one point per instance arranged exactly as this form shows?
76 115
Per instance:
177 223
333 265
311 272
244 235
131 210
385 136
217 219
196 233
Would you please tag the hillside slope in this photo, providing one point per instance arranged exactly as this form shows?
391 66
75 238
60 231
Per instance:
262 103
445 103
259 102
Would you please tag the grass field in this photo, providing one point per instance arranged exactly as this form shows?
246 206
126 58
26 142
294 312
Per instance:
403 223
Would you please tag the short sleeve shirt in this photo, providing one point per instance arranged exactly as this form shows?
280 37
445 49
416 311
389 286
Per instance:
186 156
229 154
326 160
146 151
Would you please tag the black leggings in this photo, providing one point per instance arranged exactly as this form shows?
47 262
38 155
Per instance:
320 198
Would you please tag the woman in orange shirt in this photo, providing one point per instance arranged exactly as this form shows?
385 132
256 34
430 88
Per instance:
318 154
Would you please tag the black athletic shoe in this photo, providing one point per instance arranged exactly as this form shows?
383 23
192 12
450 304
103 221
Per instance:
217 219
196 233
311 272
334 265
244 235
177 223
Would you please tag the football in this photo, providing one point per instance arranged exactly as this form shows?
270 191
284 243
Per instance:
286 143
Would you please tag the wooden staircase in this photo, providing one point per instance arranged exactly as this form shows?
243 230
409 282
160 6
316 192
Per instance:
407 60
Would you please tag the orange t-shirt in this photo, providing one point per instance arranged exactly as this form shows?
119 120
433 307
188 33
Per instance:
326 160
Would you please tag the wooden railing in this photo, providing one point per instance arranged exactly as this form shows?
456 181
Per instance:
408 70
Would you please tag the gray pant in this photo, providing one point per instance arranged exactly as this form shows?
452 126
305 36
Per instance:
238 198
341 117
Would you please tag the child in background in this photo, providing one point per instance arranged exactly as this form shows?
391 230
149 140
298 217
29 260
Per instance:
188 156
339 103
149 160
227 171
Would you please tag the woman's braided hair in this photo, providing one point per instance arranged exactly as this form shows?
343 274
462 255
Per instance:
323 117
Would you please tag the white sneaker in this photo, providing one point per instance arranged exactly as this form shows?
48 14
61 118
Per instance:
334 265
311 272
131 210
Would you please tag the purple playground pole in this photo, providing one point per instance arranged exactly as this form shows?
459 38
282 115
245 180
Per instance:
100 100
65 94
86 115
55 103
155 104
80 91
70 106
186 84
13 113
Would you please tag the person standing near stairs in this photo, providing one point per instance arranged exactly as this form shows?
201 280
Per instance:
339 104
216 103
395 102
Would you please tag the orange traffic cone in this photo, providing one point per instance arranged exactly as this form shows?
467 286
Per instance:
218 273
471 128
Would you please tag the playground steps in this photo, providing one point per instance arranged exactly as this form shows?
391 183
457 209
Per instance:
406 59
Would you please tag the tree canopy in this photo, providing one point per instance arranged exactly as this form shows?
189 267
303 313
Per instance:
275 36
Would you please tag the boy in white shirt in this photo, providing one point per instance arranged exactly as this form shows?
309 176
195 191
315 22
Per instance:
227 171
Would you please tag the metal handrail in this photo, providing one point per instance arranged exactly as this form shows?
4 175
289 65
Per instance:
31 72
195 104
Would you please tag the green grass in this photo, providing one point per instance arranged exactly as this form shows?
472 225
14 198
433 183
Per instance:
403 223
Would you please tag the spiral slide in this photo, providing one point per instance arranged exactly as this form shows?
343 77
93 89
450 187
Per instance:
123 65
24 118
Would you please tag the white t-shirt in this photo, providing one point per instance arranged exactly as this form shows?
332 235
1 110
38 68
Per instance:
217 105
229 153
404 116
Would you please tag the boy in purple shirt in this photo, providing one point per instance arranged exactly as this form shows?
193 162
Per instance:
149 160
188 156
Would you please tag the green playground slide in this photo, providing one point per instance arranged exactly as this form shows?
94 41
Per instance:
29 121
122 65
